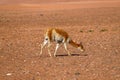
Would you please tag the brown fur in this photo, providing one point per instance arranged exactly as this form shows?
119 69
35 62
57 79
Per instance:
73 44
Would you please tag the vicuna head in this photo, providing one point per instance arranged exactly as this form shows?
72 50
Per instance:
80 47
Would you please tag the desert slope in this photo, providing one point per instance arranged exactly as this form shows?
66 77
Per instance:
43 1
94 23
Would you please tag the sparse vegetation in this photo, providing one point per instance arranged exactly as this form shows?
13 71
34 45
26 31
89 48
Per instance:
81 31
103 30
77 73
41 14
90 30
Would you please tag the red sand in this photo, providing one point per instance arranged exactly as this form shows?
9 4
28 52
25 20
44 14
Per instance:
95 23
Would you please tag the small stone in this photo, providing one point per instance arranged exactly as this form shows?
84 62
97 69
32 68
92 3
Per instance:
105 48
12 59
38 73
24 60
77 73
9 74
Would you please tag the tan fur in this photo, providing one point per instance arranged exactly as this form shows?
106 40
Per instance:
59 36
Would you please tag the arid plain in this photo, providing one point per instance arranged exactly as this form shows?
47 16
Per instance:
95 23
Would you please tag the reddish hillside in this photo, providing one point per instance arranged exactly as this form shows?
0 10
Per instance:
43 1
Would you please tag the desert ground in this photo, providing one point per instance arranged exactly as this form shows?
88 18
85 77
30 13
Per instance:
95 23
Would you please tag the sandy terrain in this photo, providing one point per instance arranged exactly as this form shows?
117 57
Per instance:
94 23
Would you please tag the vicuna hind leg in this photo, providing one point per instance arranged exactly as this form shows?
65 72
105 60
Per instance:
65 46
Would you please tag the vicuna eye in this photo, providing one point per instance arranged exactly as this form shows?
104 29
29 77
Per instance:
46 38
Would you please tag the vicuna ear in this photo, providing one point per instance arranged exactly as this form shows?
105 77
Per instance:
81 45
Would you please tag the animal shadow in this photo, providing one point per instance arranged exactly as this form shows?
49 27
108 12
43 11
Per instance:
72 55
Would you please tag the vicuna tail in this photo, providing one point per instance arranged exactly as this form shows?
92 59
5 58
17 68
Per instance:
73 44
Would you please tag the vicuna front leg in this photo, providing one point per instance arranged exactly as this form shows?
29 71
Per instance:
43 45
57 46
49 49
65 46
